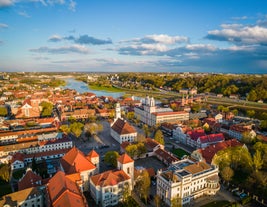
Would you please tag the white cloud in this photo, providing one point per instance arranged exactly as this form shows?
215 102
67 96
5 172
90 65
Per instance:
201 47
2 25
240 35
62 50
55 38
6 3
24 14
165 39
72 5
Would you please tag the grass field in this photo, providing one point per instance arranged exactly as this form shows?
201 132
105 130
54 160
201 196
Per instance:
102 88
179 152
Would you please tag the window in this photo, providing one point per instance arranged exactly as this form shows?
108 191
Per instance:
128 170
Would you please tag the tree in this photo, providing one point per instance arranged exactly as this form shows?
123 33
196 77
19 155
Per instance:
257 160
176 201
252 96
159 137
235 112
247 138
111 158
93 128
146 130
250 113
126 193
47 108
131 150
227 173
3 111
4 172
143 185
71 119
140 138
76 128
65 128
130 115
157 200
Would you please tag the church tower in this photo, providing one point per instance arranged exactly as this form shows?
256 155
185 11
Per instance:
117 111
126 163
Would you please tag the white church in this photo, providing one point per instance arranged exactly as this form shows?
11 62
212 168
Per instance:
120 129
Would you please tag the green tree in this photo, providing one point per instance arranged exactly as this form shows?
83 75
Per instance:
130 115
235 112
146 130
159 137
76 128
3 111
143 185
71 119
64 128
131 150
126 193
4 172
47 108
111 158
250 113
227 173
252 96
176 202
257 160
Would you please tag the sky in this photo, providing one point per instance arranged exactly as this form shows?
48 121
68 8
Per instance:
228 36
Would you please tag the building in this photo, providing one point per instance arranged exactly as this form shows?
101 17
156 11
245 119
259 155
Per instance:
29 179
151 115
23 198
187 180
120 129
107 188
63 190
74 161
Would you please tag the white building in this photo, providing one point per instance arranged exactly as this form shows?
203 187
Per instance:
152 115
107 188
187 180
120 129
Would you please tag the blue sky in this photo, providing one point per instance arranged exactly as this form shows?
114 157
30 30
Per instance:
137 35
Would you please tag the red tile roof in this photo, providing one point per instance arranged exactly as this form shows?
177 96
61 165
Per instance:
64 192
92 154
18 156
211 138
30 179
166 156
209 152
123 159
122 127
109 178
195 134
75 161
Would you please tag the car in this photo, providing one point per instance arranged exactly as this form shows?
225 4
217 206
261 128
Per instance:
153 182
243 195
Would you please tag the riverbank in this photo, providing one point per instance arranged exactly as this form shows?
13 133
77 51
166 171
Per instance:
103 88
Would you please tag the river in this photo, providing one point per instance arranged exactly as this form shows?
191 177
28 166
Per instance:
82 87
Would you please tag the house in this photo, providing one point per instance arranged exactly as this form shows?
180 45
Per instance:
204 141
193 135
74 161
23 198
207 154
166 157
237 131
29 109
62 191
29 179
17 161
106 188
120 129
187 180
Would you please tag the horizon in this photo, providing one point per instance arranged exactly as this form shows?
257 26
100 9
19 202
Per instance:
140 36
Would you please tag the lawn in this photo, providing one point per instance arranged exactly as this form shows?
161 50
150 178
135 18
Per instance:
179 152
222 203
103 88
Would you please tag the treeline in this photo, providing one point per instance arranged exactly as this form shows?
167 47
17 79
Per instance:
253 87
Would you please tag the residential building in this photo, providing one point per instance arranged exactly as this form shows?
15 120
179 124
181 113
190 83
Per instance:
74 161
187 180
107 188
23 198
29 179
63 190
